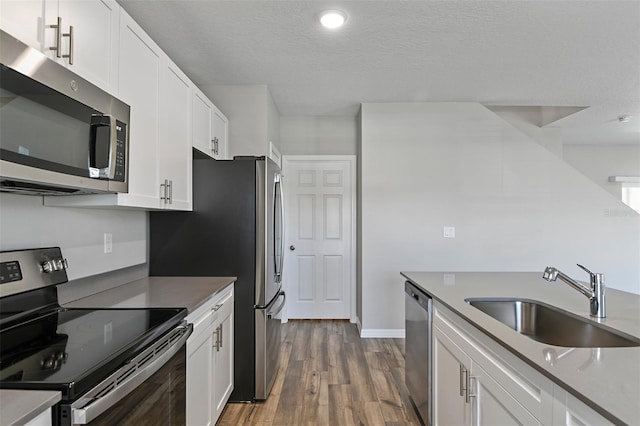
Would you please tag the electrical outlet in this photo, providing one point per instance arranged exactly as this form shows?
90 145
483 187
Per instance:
108 242
449 232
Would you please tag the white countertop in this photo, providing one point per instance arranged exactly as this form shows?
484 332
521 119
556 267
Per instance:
157 292
22 406
609 384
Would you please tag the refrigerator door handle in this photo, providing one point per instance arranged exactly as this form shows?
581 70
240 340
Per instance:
277 311
279 260
270 302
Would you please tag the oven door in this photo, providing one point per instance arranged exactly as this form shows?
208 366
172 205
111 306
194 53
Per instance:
150 389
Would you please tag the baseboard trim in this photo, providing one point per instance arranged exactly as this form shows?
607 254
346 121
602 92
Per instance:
381 333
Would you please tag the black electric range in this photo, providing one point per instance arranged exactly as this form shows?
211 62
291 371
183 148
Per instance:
83 353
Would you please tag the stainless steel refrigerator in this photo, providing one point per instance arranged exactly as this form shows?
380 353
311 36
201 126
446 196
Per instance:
235 229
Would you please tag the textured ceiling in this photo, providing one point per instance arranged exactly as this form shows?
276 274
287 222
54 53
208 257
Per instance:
526 53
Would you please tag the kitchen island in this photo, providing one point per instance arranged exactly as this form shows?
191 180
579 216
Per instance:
607 380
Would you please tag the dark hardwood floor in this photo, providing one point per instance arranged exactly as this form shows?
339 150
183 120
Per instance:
329 376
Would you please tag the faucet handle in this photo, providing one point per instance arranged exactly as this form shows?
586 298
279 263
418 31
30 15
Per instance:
595 277
585 269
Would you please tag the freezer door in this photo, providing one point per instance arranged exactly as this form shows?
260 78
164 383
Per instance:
268 341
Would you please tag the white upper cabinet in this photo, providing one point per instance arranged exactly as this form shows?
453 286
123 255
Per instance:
139 87
210 127
202 108
160 160
219 133
174 147
81 35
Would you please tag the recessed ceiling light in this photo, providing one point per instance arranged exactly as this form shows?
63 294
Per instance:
332 19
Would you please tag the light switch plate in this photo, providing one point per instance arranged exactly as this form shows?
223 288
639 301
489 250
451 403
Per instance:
449 232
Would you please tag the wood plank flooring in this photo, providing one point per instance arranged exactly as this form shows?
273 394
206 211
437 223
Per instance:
329 376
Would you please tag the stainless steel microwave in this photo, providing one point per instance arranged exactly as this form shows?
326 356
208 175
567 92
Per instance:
59 134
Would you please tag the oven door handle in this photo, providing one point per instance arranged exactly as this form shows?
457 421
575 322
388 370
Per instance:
128 377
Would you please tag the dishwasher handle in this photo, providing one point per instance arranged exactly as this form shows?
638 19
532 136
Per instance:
420 297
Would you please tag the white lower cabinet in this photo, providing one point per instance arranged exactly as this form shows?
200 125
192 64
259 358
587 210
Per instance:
42 419
210 359
478 382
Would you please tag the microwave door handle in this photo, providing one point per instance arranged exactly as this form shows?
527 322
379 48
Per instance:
105 166
113 146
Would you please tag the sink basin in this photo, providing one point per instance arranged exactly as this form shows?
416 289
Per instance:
551 325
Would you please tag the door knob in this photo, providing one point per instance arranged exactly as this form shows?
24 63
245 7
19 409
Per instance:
292 248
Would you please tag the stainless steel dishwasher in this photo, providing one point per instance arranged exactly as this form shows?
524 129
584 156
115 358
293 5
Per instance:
418 373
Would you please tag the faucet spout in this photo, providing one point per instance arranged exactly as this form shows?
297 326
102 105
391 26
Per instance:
595 293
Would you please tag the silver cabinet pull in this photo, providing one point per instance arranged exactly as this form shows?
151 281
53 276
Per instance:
58 28
216 307
164 188
70 35
170 192
215 145
469 394
218 342
465 384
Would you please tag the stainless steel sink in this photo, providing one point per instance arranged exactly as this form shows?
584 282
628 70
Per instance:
551 325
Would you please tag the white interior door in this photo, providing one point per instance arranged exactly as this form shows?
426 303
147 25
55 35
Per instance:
319 273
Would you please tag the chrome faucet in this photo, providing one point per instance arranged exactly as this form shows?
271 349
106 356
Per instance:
597 301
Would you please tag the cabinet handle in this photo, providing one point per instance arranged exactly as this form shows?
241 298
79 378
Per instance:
218 332
164 188
170 192
70 35
216 342
58 28
463 381
469 395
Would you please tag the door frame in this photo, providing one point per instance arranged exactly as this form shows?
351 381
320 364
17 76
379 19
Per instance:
351 159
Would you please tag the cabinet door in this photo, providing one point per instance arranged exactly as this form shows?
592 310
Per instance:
202 114
174 147
139 81
492 405
199 375
223 358
29 20
95 39
220 133
450 407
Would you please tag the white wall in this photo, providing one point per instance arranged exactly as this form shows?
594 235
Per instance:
318 135
598 162
253 117
26 223
515 205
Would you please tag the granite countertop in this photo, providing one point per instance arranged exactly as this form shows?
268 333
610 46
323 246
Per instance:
608 382
157 292
22 406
